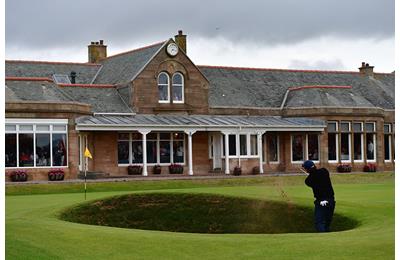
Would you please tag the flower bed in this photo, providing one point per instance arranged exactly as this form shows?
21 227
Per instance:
135 169
237 171
175 169
56 175
343 167
370 167
19 175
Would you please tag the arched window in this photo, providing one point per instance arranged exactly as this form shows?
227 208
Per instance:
163 88
177 88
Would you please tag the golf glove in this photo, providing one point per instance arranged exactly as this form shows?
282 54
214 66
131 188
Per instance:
323 203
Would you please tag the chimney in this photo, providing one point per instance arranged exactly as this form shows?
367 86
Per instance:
73 77
97 51
367 70
180 39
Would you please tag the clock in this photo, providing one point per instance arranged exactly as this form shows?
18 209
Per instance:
172 49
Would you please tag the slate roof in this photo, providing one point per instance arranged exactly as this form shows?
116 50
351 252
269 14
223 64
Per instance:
85 72
123 67
197 121
103 100
242 87
34 91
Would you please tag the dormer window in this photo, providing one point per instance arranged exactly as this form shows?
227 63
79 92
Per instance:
177 88
61 79
163 88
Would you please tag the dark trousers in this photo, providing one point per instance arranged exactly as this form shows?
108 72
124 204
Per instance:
323 215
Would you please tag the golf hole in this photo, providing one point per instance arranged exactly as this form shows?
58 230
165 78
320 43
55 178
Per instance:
200 213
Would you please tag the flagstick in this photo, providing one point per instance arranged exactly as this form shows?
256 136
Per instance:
86 159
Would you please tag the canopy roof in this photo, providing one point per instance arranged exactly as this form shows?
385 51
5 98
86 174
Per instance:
132 122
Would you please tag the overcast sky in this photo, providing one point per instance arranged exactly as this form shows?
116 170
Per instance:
299 34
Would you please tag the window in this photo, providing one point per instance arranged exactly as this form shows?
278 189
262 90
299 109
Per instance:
332 142
272 149
123 148
137 148
33 143
177 88
163 88
358 142
162 148
387 142
313 147
61 79
244 145
178 147
345 148
305 144
370 137
297 148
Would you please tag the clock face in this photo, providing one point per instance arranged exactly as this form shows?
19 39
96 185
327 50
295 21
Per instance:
172 49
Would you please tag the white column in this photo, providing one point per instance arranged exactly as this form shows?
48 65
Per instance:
190 154
226 153
190 150
259 149
144 149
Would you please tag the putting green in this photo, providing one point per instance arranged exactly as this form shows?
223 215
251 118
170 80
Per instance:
34 231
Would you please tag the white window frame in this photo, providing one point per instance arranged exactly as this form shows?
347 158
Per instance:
278 151
34 122
362 142
374 140
168 87
171 143
319 148
390 142
336 142
291 148
237 145
183 88
349 141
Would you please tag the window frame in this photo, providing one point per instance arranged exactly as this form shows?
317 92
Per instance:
237 145
349 143
373 132
35 122
336 133
277 150
305 147
168 87
182 85
389 135
157 139
362 141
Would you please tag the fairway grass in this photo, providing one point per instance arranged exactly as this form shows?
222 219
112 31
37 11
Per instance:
34 231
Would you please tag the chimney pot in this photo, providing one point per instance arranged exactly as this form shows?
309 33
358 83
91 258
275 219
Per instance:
362 64
97 51
180 39
367 70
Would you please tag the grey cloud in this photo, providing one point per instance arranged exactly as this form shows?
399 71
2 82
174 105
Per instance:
335 64
56 23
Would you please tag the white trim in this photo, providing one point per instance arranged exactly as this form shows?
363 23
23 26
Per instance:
349 147
168 87
362 147
181 85
51 121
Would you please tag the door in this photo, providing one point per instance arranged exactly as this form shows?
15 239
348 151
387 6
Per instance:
82 143
217 151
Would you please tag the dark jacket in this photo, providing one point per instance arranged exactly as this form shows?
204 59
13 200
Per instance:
319 181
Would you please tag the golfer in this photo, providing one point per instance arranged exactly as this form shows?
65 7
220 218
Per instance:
319 181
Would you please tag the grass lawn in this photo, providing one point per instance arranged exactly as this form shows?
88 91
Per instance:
33 230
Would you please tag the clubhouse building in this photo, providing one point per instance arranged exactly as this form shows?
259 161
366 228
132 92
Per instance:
154 107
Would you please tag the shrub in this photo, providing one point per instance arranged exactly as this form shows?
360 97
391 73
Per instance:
175 168
56 175
19 175
343 167
135 169
370 167
237 171
157 169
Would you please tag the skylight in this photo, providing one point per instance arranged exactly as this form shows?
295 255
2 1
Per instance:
61 79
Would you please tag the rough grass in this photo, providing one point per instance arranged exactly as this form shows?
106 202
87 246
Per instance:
34 231
199 213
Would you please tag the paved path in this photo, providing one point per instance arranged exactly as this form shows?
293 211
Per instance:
167 177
